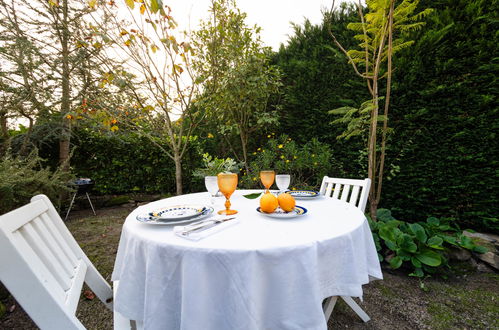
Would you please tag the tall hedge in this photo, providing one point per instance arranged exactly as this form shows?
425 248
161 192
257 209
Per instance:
445 118
443 151
317 79
122 163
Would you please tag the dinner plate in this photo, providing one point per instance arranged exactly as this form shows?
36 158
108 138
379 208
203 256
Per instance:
178 212
303 194
147 218
279 213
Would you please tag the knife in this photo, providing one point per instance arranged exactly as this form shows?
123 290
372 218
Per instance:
205 225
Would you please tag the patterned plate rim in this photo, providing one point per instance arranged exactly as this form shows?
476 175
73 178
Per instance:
288 215
145 218
198 208
313 193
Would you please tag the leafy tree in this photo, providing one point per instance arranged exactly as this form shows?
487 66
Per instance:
46 69
156 73
237 78
378 44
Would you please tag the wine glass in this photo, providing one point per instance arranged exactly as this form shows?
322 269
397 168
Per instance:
211 183
227 183
267 178
282 181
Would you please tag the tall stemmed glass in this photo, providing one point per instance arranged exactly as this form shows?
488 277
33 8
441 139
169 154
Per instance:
282 181
267 178
211 183
227 183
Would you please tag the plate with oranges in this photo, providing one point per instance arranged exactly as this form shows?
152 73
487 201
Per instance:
280 213
283 206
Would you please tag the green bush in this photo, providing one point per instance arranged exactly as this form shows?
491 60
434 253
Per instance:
22 178
442 155
306 164
420 245
126 162
445 118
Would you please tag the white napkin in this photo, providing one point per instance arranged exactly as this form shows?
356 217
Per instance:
202 233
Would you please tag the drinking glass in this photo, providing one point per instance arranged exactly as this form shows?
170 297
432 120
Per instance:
267 178
282 181
227 183
211 183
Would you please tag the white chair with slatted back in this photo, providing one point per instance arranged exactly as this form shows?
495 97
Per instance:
354 192
44 268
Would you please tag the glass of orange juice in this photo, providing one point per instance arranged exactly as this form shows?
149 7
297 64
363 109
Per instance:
267 178
227 184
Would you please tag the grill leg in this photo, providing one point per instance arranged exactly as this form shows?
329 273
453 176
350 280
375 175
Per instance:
70 206
88 197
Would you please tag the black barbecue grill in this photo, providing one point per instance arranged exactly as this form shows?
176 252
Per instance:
82 186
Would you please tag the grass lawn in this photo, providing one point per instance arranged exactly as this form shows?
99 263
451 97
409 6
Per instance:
467 301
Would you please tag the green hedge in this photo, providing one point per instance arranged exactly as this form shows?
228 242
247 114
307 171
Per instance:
126 162
444 111
445 118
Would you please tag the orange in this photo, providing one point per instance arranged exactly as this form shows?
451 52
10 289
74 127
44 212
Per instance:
268 203
286 202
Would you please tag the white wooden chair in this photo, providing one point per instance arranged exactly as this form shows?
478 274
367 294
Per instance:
354 192
43 266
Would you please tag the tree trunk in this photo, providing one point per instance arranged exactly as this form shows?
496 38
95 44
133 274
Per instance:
5 133
373 208
178 172
65 137
244 142
372 152
23 151
387 102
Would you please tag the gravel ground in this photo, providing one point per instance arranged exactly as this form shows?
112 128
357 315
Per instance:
467 301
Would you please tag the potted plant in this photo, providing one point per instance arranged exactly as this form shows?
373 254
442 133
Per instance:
213 166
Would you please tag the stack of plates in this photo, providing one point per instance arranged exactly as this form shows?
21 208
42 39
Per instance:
176 214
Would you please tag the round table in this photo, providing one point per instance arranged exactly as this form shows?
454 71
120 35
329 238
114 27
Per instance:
260 273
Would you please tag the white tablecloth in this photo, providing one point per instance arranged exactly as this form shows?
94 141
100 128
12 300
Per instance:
261 273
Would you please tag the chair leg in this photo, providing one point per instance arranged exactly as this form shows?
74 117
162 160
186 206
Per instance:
356 308
329 306
70 206
88 197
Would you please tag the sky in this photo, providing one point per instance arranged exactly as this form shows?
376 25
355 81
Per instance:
273 16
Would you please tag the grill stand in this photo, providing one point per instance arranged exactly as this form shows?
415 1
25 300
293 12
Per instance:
72 202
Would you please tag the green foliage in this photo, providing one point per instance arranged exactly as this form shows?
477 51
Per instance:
420 245
22 178
238 80
128 162
213 165
372 34
306 163
442 153
317 78
356 119
445 118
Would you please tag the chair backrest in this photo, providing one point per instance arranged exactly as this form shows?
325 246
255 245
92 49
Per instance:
348 190
43 267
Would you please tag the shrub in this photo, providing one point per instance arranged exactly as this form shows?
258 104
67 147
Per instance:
22 178
306 164
420 245
126 162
